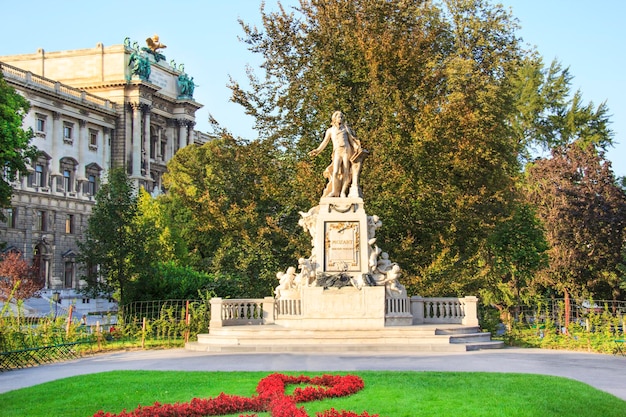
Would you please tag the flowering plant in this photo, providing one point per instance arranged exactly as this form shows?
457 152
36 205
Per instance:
271 397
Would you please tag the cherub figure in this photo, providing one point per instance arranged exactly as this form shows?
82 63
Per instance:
286 280
307 272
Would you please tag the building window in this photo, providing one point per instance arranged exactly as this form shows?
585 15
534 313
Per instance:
11 217
69 224
40 125
93 139
67 180
69 274
92 172
41 220
68 130
41 263
39 175
91 185
68 170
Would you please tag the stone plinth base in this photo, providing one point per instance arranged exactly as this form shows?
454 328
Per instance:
338 308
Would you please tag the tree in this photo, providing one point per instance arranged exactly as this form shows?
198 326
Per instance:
584 215
112 250
15 150
549 115
163 239
235 212
518 251
17 277
428 89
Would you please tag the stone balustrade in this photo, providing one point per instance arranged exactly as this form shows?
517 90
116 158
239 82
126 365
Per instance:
288 307
237 312
445 310
70 93
437 310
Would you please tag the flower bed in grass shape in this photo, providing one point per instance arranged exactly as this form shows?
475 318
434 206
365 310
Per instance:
271 397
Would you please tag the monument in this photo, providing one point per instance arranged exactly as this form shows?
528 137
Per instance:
347 278
346 295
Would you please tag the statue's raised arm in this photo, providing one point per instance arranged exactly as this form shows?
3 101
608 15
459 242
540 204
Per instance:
343 172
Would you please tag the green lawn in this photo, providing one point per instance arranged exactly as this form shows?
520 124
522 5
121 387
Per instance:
390 394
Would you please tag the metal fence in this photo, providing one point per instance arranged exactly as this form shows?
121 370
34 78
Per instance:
163 319
553 309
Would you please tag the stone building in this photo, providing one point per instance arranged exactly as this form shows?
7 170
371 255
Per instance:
91 109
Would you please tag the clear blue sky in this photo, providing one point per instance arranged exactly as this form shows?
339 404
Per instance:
588 37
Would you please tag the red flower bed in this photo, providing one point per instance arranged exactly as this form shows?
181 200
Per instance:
271 397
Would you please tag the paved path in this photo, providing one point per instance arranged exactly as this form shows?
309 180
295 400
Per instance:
605 372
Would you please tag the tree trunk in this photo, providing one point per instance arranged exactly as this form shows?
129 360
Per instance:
567 311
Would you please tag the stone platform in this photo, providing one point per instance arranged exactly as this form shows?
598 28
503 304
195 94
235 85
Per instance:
344 320
276 338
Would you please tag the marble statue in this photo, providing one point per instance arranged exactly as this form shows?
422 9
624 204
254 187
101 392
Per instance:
286 281
373 223
306 277
347 156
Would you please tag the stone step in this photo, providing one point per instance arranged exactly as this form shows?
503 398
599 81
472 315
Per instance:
323 340
395 331
275 338
343 348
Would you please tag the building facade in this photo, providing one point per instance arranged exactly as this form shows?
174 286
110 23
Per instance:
91 110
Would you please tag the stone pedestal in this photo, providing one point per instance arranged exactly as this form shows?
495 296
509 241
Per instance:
338 308
341 237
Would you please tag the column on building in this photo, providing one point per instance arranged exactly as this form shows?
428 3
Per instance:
157 151
83 142
146 142
182 133
128 137
190 125
170 147
106 150
57 139
136 140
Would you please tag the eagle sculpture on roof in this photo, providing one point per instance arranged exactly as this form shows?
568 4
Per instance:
154 44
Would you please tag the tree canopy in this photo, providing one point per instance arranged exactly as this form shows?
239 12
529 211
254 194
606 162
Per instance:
584 213
235 210
15 148
427 87
113 248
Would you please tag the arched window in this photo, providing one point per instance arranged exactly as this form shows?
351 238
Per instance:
41 263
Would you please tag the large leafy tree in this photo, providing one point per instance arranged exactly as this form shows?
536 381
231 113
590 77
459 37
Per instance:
518 252
428 88
552 118
235 212
15 150
584 214
550 115
113 249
